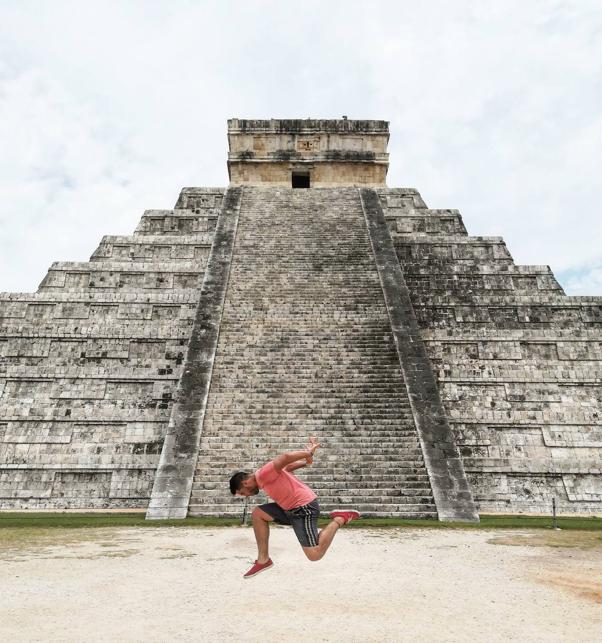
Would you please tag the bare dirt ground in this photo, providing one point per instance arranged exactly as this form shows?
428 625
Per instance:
185 584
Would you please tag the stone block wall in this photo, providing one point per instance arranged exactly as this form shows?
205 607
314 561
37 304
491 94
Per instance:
334 152
322 175
89 363
519 363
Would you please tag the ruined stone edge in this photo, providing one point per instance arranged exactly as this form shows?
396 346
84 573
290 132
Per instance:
173 481
451 491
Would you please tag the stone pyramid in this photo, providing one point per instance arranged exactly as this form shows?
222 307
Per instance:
307 298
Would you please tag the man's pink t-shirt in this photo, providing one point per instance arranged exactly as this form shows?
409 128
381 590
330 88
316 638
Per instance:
283 487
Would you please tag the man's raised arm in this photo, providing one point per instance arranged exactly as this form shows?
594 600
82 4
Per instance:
295 465
307 454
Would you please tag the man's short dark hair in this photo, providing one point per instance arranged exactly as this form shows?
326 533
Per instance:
236 481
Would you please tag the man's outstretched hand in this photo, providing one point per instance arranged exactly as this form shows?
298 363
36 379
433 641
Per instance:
311 447
296 459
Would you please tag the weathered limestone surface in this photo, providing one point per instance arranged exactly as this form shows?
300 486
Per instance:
173 481
519 363
333 152
306 348
443 462
293 319
89 364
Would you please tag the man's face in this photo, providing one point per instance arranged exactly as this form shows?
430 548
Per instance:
248 487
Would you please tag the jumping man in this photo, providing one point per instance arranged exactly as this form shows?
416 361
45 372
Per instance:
295 504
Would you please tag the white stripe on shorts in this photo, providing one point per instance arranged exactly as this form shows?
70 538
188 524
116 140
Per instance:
309 532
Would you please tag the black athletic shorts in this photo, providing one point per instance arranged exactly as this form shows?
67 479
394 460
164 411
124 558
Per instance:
304 520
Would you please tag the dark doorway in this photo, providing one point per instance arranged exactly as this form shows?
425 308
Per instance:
300 179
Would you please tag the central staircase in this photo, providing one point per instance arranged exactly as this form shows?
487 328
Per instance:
305 348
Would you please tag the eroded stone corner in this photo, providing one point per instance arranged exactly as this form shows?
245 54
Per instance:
449 484
174 477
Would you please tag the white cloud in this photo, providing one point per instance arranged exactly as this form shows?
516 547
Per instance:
585 281
109 108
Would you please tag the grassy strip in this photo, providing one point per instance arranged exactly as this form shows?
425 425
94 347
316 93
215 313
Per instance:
98 520
489 522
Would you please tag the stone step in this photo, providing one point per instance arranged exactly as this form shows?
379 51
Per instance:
208 497
286 406
388 487
362 421
251 432
272 369
366 424
363 424
409 511
331 390
345 410
276 443
339 382
399 460
420 480
326 441
358 468
361 492
258 400
372 513
327 451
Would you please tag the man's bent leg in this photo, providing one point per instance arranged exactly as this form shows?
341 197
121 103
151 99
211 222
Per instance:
261 528
324 540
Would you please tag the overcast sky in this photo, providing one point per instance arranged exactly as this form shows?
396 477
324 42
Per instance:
109 108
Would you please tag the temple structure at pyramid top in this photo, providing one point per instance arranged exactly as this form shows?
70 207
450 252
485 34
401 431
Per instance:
308 153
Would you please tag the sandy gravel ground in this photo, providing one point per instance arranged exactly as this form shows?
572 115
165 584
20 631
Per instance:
185 584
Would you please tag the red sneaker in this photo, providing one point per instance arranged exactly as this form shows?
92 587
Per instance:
258 568
346 514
